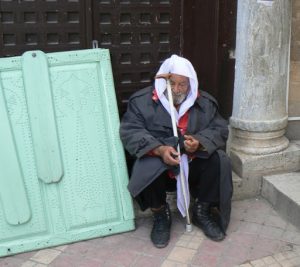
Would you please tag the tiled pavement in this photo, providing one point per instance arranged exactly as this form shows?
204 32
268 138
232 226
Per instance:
257 236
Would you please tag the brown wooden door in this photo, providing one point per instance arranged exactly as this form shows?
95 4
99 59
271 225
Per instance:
139 33
209 43
48 25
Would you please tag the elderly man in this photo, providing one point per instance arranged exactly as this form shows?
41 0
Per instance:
146 132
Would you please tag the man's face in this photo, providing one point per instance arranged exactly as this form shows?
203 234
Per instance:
180 86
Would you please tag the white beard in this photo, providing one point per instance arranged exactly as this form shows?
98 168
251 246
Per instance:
177 98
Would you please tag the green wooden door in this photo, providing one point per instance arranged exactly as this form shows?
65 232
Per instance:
63 175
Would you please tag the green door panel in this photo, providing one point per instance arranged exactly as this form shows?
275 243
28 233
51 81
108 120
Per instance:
63 175
12 191
41 115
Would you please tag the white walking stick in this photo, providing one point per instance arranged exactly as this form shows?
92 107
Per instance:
175 133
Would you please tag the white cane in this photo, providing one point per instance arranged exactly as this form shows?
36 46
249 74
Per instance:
182 178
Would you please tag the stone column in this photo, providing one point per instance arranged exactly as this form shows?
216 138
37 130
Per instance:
259 115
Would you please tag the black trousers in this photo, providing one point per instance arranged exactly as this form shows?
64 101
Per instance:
204 183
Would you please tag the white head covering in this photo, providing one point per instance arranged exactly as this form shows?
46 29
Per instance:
181 66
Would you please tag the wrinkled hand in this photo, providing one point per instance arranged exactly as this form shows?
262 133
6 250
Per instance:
190 144
168 154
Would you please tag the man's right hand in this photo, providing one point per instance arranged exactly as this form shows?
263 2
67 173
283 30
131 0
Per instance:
168 154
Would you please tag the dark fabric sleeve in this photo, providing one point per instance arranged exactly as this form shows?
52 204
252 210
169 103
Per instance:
134 135
214 136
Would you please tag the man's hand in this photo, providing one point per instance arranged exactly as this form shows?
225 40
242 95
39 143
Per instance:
190 144
168 154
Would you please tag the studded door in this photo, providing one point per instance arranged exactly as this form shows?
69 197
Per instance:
48 25
140 34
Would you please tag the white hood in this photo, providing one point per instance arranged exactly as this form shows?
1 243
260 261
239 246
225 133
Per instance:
181 66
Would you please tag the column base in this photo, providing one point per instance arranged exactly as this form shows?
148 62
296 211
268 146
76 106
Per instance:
258 143
251 168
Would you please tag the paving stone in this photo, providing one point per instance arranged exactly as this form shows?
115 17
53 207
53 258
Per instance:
279 257
268 260
289 254
228 262
182 255
196 232
240 253
268 244
99 253
28 264
168 263
146 261
255 216
213 248
26 255
11 262
292 228
246 241
190 241
61 248
292 237
113 240
246 265
287 263
249 227
276 264
134 244
124 257
276 221
297 249
45 256
295 261
257 263
271 232
80 248
66 260
141 232
205 260
258 253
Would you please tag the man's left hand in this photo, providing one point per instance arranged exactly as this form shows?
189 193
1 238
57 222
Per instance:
190 144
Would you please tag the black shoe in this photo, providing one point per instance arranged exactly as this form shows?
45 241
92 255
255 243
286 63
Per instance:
160 234
202 218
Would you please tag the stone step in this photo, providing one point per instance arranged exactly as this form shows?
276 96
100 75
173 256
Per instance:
283 192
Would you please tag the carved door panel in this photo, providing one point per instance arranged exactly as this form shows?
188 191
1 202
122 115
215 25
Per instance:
140 35
63 176
59 25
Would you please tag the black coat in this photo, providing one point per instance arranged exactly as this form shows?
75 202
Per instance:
147 124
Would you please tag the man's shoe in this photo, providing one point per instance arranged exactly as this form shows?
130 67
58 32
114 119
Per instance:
160 234
202 218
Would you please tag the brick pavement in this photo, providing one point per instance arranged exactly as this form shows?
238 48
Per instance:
257 236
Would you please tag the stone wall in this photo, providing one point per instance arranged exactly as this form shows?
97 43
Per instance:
293 131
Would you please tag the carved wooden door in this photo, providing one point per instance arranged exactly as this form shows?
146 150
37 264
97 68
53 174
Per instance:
139 33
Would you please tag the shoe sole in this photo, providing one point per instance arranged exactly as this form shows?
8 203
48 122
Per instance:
212 238
160 246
